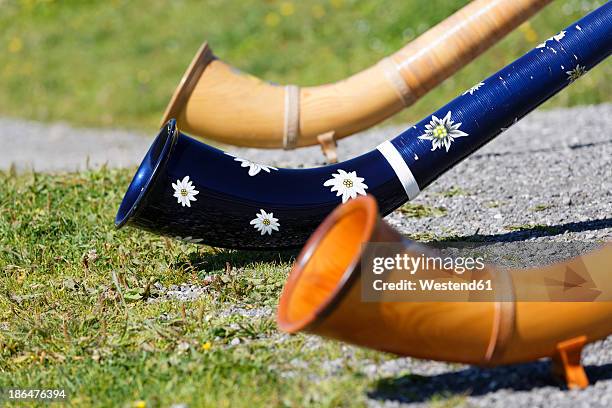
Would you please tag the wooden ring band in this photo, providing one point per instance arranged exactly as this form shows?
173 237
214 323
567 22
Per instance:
291 128
392 73
504 316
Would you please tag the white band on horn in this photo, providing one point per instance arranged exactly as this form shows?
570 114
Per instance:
393 75
291 128
400 168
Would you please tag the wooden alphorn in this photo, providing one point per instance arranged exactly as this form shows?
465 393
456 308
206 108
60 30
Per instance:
216 101
532 313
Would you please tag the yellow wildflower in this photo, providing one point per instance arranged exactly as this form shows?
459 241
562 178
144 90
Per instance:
272 19
287 8
528 32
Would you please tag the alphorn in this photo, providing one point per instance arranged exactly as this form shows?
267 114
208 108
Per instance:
216 101
531 313
189 189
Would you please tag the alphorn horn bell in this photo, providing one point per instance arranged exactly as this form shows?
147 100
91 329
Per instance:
324 295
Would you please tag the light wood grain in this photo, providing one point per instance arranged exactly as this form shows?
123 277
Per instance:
236 108
323 295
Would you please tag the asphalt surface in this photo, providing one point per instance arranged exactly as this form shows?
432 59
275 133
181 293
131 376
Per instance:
546 181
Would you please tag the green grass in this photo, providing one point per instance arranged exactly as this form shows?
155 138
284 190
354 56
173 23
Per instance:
116 63
94 325
533 227
412 210
541 207
453 191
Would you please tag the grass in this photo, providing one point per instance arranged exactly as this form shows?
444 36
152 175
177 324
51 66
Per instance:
453 191
79 310
412 210
116 63
533 227
541 207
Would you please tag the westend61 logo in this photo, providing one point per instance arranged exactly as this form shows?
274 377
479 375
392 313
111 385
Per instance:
482 272
437 274
394 272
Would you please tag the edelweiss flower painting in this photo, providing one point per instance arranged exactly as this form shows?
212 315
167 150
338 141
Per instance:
184 191
474 88
265 222
346 184
576 73
442 132
254 168
556 37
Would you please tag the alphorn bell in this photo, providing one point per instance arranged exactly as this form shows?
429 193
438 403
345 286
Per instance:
532 313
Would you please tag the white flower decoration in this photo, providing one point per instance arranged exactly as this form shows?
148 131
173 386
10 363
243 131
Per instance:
576 73
557 38
254 168
265 222
189 239
442 132
184 191
474 88
347 185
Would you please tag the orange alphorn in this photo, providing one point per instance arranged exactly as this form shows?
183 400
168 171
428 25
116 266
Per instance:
323 295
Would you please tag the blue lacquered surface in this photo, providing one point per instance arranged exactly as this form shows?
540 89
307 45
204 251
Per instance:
506 96
146 174
187 189
228 198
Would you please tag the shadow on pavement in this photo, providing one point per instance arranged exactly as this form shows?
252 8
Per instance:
537 231
475 381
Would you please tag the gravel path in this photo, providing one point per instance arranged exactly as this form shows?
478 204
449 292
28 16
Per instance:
547 179
58 147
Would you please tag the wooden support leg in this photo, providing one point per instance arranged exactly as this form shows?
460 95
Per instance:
328 145
566 363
